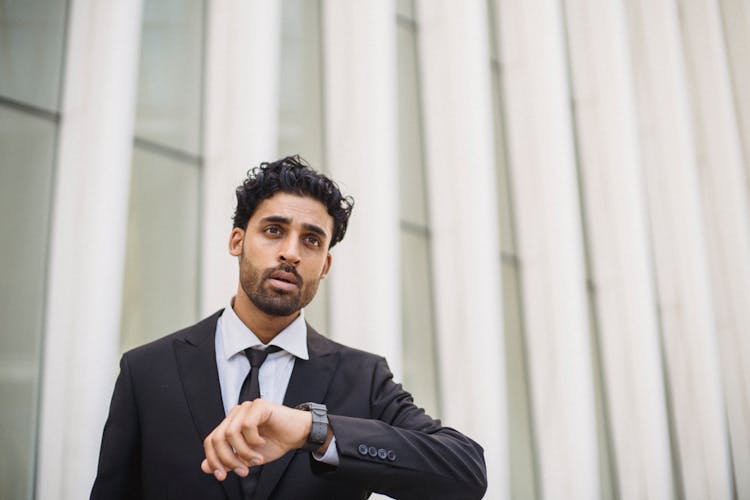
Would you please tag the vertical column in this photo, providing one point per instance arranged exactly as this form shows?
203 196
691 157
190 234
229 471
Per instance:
459 151
361 122
241 116
619 246
723 188
89 220
544 182
679 244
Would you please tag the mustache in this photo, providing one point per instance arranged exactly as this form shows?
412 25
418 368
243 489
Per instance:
286 268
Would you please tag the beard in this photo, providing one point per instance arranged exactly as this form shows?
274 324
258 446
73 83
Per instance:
272 301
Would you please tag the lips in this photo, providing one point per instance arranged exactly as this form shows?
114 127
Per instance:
284 280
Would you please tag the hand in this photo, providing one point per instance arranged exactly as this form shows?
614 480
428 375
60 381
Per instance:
254 433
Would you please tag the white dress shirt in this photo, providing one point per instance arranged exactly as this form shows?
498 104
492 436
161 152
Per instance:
233 337
231 340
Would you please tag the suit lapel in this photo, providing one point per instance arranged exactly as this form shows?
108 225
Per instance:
196 361
309 382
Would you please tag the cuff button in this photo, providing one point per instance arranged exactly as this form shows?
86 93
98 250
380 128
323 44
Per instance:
362 449
391 455
372 451
382 454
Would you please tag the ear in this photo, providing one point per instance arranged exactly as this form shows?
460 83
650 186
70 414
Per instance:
326 266
236 239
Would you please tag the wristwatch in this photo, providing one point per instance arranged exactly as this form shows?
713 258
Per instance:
319 429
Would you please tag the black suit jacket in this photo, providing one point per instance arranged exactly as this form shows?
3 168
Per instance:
167 399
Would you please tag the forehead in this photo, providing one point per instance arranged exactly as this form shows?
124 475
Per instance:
298 209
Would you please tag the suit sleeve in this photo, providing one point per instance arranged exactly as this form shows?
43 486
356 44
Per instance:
118 475
404 453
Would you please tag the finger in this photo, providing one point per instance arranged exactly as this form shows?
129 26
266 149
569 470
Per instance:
254 415
236 440
219 455
224 453
205 467
211 464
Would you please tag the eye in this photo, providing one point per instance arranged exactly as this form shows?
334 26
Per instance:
272 230
313 241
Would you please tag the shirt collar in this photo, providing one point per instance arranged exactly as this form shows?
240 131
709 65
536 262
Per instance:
237 337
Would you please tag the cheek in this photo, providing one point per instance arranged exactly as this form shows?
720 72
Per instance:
315 270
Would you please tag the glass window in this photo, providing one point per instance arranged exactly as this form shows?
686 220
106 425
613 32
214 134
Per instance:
504 197
170 74
520 435
405 8
161 265
607 476
418 328
420 371
162 256
31 48
411 171
27 147
300 103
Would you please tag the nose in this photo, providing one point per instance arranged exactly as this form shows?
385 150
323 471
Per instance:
289 251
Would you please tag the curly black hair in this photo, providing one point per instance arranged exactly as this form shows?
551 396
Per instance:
295 176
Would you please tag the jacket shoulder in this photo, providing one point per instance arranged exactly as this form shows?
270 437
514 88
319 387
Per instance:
320 344
202 331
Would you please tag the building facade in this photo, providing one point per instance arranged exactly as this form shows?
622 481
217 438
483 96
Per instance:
550 243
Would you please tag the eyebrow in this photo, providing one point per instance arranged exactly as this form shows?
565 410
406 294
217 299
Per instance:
278 219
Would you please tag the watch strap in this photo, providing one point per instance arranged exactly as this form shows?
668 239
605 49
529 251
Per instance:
319 428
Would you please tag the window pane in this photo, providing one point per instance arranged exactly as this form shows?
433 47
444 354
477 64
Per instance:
405 8
31 49
301 116
520 432
411 171
161 265
607 478
505 216
420 373
27 151
170 74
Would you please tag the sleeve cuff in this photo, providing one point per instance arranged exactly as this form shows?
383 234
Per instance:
331 456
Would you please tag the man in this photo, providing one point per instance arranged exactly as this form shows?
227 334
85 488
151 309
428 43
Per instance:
345 429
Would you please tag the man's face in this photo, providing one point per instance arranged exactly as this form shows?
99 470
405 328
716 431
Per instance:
283 253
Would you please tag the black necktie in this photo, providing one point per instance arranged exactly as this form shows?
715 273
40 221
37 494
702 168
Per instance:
251 390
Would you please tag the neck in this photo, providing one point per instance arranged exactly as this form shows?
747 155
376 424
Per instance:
264 327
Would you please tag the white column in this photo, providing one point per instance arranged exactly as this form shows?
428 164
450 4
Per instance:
242 113
460 158
722 178
89 221
625 298
361 122
544 182
679 244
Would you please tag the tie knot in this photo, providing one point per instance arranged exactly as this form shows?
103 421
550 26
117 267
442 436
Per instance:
258 356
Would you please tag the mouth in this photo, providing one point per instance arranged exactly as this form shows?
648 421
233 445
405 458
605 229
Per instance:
283 280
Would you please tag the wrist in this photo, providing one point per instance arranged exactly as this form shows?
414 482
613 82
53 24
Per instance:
319 434
305 419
